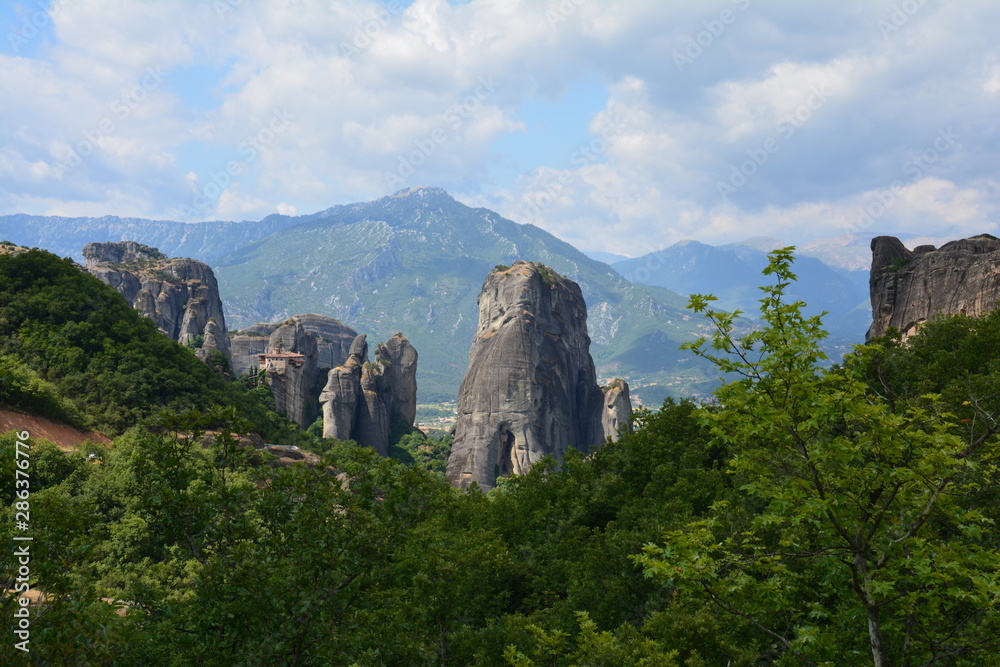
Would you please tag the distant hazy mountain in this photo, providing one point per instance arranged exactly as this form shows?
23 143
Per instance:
413 262
606 257
733 272
205 241
853 252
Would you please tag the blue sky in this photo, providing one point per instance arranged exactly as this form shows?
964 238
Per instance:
619 126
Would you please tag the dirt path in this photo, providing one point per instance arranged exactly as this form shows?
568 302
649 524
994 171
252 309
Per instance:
66 437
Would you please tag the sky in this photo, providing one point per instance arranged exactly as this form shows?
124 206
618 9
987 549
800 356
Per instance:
619 126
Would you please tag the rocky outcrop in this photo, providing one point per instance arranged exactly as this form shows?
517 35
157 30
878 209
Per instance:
180 295
397 359
292 382
617 411
910 287
247 345
340 395
530 390
323 342
96 254
362 399
333 342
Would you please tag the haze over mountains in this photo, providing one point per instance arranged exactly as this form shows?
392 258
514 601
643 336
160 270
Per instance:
733 272
415 261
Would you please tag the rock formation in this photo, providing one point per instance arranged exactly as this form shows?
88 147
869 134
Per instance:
333 342
340 396
361 399
180 295
397 359
910 287
531 389
617 409
247 345
292 382
323 342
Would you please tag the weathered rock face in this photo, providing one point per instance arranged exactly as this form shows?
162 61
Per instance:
325 343
247 345
910 287
617 409
333 338
362 399
333 342
397 359
292 384
96 254
340 395
372 426
531 389
180 295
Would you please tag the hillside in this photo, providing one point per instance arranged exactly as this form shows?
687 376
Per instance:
74 351
205 241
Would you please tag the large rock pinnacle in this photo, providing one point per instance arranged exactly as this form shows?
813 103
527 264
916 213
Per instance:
531 389
362 399
180 295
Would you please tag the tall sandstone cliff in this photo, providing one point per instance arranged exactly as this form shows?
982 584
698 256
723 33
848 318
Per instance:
324 342
362 399
910 287
531 389
180 295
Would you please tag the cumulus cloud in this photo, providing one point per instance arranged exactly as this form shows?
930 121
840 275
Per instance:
720 120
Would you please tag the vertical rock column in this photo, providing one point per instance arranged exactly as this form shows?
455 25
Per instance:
362 399
531 389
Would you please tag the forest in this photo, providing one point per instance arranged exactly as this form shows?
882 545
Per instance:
810 513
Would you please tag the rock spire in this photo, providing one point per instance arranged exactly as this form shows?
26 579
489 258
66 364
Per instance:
531 388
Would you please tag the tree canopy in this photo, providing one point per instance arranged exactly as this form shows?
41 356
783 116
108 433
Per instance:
810 514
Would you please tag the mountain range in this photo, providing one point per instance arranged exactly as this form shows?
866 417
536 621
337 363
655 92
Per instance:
415 261
732 273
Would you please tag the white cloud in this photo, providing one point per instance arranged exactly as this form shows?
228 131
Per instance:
368 88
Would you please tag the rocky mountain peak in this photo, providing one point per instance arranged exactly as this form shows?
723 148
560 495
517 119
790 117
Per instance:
422 192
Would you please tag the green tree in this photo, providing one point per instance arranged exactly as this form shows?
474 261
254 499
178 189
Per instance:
852 523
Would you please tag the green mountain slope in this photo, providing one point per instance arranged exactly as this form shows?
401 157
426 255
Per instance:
415 262
73 350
